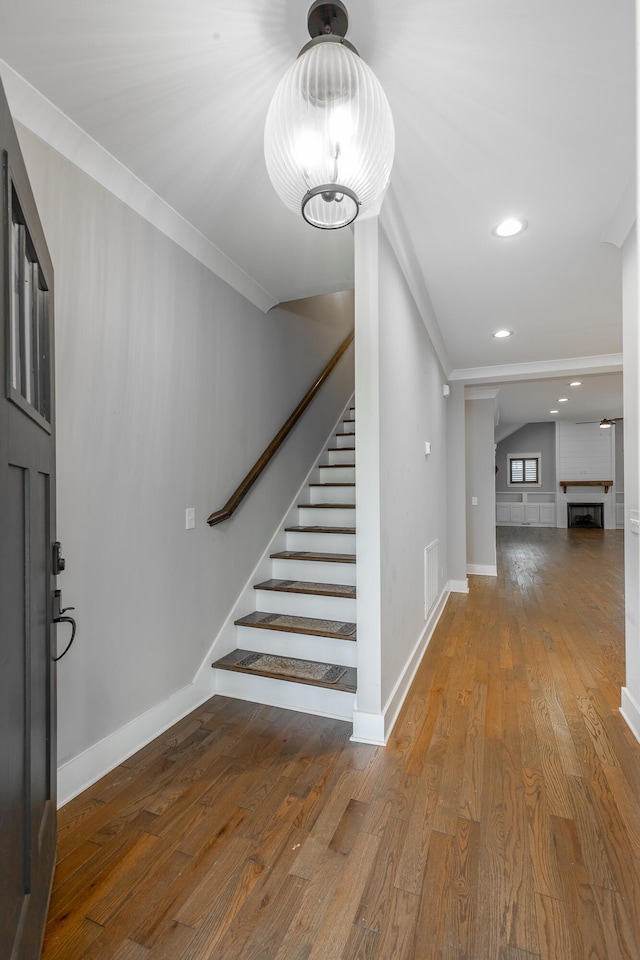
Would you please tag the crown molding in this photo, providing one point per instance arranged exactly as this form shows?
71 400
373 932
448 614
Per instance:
539 369
42 118
624 216
396 230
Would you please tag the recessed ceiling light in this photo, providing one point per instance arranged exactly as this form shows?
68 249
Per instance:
554 411
501 334
510 227
576 383
563 399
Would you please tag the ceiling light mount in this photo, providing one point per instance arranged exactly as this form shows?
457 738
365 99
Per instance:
327 18
329 137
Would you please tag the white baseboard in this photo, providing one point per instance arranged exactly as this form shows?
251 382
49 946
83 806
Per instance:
630 711
368 728
376 728
81 771
482 569
459 586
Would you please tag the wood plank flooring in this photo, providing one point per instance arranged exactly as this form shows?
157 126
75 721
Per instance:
501 822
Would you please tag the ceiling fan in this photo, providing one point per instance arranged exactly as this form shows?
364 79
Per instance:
604 424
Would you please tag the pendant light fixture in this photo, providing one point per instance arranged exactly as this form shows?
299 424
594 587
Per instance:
329 137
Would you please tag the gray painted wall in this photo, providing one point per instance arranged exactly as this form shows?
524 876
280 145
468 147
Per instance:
169 385
619 455
413 487
456 486
480 476
631 693
531 438
402 494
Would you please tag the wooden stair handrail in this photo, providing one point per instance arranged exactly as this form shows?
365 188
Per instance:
242 490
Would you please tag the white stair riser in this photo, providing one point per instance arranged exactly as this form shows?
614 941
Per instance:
347 426
344 440
337 474
301 646
341 456
321 542
306 605
317 571
327 517
291 696
326 494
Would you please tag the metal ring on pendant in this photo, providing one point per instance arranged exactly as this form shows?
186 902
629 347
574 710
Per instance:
328 189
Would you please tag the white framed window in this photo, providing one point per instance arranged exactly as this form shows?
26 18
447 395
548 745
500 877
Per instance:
524 469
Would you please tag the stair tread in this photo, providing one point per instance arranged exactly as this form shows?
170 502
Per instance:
346 682
314 555
339 629
316 529
327 506
340 449
347 433
346 483
334 466
308 587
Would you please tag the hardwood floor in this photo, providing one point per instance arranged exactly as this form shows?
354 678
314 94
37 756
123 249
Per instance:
501 822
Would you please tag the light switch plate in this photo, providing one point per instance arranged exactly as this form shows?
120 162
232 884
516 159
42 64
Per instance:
190 518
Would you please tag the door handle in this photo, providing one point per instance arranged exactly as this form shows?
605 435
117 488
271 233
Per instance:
57 617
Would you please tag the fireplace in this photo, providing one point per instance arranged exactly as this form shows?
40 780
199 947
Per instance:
585 516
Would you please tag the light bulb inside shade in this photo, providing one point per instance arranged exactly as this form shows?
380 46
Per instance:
329 126
509 227
605 426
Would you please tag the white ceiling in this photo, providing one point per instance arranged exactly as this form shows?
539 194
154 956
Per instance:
501 107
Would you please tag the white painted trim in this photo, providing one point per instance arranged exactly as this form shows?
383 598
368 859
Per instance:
377 728
540 369
396 230
482 569
630 711
368 728
30 108
96 761
302 698
458 586
480 393
624 216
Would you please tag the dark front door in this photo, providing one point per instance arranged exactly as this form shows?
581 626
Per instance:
27 532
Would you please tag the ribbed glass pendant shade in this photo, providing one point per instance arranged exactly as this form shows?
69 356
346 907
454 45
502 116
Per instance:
329 137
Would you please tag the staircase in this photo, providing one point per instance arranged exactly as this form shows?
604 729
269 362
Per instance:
297 649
